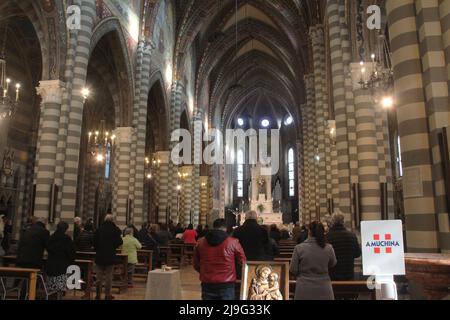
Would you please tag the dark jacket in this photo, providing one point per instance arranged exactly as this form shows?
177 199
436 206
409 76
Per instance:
107 240
272 250
76 232
31 248
254 240
145 239
61 254
164 237
275 235
85 241
216 256
347 249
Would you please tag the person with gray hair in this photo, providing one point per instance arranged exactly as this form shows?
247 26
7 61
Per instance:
77 228
107 240
346 247
130 247
253 238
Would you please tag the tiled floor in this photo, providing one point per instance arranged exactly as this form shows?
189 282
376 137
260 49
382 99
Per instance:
190 283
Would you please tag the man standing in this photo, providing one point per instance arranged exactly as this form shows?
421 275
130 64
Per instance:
346 248
32 244
107 240
215 258
252 237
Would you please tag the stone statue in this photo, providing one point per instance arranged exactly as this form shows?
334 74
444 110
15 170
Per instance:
265 286
262 186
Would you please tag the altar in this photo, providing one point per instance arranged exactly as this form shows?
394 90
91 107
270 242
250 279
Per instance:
261 199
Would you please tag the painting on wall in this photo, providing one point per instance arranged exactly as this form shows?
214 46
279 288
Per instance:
265 281
129 12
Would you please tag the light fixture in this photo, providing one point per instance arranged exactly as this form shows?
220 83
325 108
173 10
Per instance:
100 141
85 92
149 176
178 187
387 102
241 122
8 103
265 123
289 120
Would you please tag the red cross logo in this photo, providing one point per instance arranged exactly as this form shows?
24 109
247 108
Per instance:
387 237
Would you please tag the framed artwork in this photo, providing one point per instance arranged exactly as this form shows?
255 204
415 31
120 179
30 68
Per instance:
264 281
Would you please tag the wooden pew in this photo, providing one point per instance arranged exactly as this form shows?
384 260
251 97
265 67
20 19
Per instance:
145 263
29 274
87 266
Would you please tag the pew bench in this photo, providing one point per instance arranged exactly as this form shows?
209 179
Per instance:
21 273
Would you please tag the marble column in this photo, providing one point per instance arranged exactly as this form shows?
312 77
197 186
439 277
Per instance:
121 182
162 184
420 210
51 93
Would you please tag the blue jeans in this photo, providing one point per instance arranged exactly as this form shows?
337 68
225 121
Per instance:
210 292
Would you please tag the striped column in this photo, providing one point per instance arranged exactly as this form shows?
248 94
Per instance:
140 123
75 110
204 200
316 34
311 136
300 180
444 14
187 194
175 114
339 95
121 183
435 82
306 165
51 94
367 145
162 185
421 228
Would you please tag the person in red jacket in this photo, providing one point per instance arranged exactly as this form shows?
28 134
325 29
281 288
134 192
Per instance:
215 258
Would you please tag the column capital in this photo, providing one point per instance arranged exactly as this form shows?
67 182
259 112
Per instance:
124 134
51 91
146 46
316 34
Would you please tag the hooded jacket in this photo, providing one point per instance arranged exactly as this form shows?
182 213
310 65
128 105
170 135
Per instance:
216 256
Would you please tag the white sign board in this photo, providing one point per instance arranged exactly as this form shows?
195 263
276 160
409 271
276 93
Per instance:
382 248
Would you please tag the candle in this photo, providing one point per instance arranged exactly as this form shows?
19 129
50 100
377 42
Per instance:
17 91
7 84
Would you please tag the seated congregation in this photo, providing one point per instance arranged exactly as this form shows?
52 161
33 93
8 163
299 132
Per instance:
320 260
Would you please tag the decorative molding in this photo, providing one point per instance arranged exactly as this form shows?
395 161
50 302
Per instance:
51 91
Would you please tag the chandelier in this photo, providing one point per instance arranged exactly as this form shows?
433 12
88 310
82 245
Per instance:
378 75
100 142
8 102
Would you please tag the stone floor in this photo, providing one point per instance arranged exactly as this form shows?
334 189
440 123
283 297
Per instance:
191 289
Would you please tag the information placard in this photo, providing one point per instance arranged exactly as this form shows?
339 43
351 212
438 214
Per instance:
382 248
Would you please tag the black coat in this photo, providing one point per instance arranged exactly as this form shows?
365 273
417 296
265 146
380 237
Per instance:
61 254
32 244
107 240
254 240
346 249
85 241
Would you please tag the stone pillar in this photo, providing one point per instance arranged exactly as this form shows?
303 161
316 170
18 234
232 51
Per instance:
306 165
311 137
186 194
316 34
140 123
121 182
367 145
204 200
300 180
175 114
420 210
72 111
162 184
339 97
435 82
51 93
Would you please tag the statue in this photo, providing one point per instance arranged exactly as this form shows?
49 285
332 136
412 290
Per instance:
265 286
262 186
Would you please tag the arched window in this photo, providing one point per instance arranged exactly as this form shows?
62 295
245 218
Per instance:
291 172
240 174
108 161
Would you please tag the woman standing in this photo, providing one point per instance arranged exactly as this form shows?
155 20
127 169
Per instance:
61 254
310 264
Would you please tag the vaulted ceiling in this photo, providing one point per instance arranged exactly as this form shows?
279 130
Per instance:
252 55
